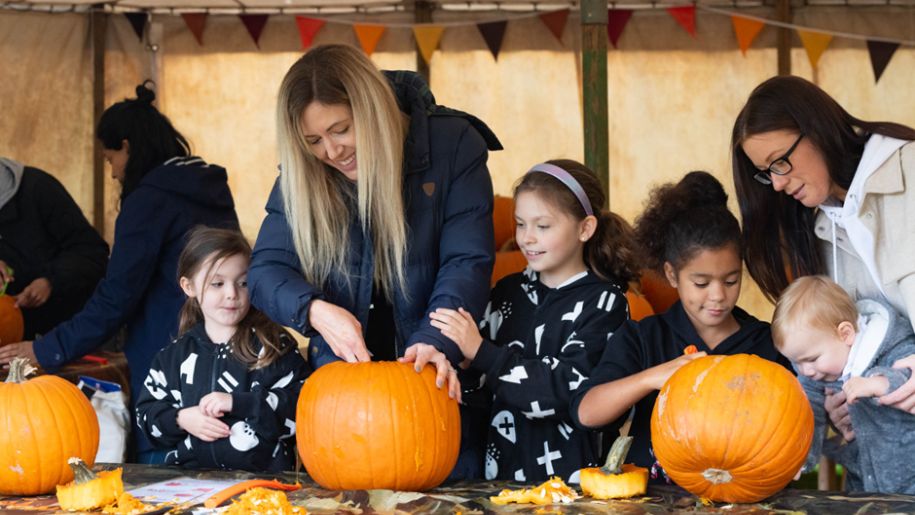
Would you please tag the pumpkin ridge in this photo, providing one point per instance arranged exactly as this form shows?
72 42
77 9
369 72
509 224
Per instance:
41 446
421 466
726 466
395 421
434 404
335 402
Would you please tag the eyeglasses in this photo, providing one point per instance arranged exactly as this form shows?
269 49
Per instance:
780 166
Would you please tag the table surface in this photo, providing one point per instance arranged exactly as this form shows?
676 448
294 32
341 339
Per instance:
473 498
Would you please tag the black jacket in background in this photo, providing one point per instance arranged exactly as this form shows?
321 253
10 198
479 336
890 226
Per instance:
262 419
43 233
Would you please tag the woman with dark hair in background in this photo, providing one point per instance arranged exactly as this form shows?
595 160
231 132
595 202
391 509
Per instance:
822 192
165 192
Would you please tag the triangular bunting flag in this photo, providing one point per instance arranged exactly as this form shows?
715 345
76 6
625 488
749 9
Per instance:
492 33
686 17
815 43
195 22
427 38
308 27
616 22
255 25
556 22
138 22
368 36
881 52
746 31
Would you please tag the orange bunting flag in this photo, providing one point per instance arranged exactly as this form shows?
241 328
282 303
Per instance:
427 38
368 36
686 17
815 43
308 27
556 22
195 23
746 31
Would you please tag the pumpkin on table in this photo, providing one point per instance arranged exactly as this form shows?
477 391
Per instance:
376 425
732 428
89 490
45 421
12 325
615 479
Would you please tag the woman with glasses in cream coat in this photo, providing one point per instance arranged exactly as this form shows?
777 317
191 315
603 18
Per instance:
821 191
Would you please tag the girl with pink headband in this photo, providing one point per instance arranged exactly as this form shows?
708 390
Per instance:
545 328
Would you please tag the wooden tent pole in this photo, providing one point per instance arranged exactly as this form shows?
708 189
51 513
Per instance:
422 13
98 23
783 14
594 88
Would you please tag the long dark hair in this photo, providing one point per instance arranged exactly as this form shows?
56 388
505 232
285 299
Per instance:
206 246
778 230
151 137
611 253
683 219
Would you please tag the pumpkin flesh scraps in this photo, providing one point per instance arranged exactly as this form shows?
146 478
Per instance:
552 491
127 504
264 501
615 480
88 490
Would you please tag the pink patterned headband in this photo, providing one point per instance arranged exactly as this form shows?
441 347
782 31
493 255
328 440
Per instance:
567 179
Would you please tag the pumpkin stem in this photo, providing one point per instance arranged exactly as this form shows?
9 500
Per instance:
617 455
20 368
717 476
80 471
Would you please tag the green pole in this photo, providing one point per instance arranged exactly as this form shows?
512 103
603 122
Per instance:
594 86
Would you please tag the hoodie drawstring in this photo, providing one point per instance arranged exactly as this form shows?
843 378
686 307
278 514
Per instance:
835 253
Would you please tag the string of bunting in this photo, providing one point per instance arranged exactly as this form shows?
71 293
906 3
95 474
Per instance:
428 35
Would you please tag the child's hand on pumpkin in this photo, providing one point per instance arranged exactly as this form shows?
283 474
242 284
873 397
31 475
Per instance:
861 387
460 328
203 426
658 375
215 404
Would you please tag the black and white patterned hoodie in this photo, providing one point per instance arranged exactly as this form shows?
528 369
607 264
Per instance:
262 419
539 345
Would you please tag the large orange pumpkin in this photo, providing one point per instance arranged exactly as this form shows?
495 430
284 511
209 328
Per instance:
376 425
45 421
732 428
11 324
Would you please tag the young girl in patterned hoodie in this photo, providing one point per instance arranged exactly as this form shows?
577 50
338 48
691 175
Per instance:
223 395
545 328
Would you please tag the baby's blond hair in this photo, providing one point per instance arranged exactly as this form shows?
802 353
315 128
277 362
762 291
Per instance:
813 300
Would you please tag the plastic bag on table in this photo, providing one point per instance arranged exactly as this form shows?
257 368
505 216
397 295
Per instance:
110 406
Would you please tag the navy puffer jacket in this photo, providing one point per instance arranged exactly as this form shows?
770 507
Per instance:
447 194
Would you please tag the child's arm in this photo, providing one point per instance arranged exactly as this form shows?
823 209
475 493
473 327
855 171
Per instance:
606 402
539 387
269 406
157 405
816 396
864 387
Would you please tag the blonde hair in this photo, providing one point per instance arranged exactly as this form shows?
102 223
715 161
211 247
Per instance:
813 300
314 195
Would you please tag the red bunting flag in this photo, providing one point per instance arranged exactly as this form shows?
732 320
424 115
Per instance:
880 52
195 23
255 25
686 17
556 22
308 27
492 33
616 22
